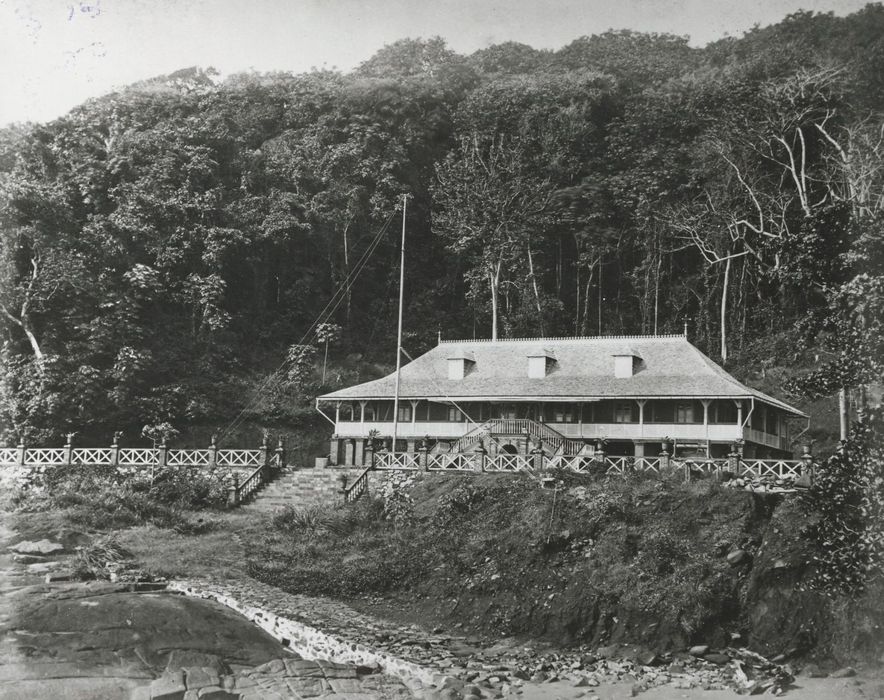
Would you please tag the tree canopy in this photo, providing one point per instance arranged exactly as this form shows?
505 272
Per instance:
163 248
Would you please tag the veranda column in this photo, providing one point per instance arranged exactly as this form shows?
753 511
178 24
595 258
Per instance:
359 452
641 417
334 449
706 403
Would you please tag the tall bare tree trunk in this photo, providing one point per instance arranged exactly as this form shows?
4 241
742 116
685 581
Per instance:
494 279
534 285
600 295
657 292
727 274
844 412
577 309
347 267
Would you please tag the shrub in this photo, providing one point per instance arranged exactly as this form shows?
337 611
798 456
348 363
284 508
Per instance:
91 561
296 520
101 497
847 499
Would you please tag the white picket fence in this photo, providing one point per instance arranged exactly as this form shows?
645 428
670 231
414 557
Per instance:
512 463
133 457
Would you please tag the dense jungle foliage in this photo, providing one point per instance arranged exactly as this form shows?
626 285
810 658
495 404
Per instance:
166 248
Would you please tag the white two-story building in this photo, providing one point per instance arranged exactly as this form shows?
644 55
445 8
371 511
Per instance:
630 394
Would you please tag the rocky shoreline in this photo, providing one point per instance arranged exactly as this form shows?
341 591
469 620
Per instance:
439 665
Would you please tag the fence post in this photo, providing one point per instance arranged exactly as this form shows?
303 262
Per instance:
163 454
480 452
537 456
22 451
807 468
664 462
424 459
688 467
69 449
265 451
233 491
280 453
369 449
213 451
115 449
600 455
733 461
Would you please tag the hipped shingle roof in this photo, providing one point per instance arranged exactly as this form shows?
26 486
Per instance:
670 367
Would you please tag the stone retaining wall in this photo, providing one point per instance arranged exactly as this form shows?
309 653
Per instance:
312 643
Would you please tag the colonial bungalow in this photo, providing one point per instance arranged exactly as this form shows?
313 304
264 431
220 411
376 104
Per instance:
630 395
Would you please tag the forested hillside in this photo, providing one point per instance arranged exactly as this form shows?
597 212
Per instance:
165 248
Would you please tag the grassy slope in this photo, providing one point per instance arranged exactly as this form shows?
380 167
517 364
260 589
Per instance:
596 561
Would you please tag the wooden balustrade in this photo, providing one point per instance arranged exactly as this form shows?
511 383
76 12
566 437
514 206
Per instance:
359 487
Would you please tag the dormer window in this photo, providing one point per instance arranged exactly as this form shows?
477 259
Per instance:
539 363
625 364
459 364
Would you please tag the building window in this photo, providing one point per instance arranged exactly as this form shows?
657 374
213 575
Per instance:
563 413
623 413
454 414
771 428
506 412
659 412
725 412
684 413
404 414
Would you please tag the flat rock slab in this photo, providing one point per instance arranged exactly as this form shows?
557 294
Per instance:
44 547
80 630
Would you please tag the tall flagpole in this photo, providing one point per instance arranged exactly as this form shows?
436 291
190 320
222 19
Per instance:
399 335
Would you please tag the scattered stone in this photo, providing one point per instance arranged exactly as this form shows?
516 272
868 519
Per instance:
846 672
45 547
699 650
169 686
197 677
814 671
609 652
737 557
647 658
716 658
214 692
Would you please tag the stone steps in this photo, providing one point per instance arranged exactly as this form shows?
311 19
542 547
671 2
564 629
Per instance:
303 488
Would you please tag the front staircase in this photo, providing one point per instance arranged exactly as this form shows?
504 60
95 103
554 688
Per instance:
303 488
554 443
